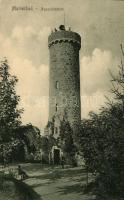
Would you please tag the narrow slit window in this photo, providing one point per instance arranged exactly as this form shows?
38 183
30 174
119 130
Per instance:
56 107
57 84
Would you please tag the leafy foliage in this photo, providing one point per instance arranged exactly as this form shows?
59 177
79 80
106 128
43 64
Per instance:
9 113
66 141
101 139
12 151
30 135
47 143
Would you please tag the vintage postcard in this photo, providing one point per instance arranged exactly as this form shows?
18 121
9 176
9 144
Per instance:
61 99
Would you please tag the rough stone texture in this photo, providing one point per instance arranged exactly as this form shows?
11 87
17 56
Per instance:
64 87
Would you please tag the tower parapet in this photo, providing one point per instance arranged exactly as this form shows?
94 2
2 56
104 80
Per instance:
63 35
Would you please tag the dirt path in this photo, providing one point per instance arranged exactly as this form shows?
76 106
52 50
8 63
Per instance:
57 184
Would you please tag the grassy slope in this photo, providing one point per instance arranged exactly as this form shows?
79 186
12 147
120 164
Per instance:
12 189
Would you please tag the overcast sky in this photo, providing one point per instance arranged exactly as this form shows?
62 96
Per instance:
23 40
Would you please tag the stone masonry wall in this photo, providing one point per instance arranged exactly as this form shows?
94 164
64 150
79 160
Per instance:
64 87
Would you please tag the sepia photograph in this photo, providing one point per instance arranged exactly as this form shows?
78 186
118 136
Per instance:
62 100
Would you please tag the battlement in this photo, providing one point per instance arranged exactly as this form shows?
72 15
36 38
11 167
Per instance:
63 35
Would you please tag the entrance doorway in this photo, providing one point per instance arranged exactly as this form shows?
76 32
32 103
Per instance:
56 156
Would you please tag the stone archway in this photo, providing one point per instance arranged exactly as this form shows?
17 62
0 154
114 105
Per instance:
56 155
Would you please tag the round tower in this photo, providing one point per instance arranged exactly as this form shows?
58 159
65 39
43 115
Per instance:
64 76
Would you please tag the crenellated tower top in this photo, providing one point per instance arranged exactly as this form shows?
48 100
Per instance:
63 35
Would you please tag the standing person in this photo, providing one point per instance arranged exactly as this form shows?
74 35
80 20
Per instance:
4 158
62 162
5 161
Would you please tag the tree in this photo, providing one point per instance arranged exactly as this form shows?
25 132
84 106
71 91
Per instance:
66 141
101 140
31 137
12 151
9 113
44 144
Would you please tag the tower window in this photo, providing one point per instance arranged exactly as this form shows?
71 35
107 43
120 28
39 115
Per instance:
56 107
57 84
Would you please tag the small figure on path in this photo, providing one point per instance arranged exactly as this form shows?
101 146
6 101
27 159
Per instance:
22 173
5 161
62 162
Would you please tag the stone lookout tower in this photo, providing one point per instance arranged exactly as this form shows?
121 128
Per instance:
64 77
